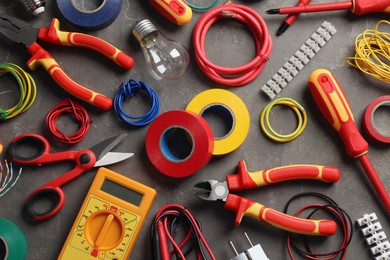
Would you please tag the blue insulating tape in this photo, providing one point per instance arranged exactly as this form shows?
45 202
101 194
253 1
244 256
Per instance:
91 20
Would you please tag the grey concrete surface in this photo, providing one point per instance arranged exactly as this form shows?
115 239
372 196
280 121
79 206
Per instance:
228 43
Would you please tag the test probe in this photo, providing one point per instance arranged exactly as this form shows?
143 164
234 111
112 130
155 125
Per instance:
357 7
333 104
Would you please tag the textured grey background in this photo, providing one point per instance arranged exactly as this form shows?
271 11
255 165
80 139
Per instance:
228 43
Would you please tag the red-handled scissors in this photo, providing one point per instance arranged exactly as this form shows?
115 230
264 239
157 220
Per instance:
21 32
97 155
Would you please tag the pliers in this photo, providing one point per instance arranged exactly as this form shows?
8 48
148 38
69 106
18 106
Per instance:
22 32
213 190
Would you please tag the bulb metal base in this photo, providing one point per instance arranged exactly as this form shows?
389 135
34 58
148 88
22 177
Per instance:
143 28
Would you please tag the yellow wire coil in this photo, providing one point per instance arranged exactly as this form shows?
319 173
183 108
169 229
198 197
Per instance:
27 90
373 53
270 132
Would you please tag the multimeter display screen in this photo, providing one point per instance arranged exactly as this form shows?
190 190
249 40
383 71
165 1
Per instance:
121 192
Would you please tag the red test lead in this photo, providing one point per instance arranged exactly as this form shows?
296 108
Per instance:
357 7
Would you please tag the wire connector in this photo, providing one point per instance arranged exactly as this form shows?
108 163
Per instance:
254 253
375 237
301 57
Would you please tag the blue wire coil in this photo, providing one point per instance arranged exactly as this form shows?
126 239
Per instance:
130 89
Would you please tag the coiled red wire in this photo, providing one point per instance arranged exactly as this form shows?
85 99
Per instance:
80 114
233 76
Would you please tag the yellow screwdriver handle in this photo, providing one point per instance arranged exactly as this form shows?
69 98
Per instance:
333 104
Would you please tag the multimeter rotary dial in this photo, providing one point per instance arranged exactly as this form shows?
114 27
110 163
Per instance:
104 230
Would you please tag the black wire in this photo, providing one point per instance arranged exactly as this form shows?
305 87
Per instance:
183 216
343 218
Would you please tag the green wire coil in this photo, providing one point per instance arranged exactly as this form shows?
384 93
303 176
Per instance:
27 90
271 133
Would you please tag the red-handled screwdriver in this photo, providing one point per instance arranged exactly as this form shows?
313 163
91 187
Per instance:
357 7
290 19
333 104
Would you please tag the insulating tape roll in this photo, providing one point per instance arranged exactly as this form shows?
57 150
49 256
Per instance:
197 132
97 19
368 120
13 244
231 103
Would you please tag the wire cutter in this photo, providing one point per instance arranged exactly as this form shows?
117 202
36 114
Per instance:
21 32
20 151
216 190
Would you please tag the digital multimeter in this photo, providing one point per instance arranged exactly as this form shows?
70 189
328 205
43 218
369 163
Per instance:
110 218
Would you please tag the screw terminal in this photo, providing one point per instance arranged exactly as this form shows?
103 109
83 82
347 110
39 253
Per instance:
300 58
375 238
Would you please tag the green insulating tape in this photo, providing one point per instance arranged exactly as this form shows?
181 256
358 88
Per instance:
13 244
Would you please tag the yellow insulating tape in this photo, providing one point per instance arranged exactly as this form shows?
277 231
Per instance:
220 98
13 244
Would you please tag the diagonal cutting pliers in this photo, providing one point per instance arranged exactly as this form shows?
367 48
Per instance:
213 190
21 32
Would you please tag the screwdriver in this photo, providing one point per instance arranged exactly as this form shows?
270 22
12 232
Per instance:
334 106
290 19
357 7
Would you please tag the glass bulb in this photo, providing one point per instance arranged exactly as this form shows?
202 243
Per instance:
165 58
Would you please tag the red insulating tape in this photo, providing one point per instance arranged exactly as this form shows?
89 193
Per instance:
368 120
196 128
233 76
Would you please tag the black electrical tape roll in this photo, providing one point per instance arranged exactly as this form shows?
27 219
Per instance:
97 19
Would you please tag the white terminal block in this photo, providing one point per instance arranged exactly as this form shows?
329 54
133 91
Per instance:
384 256
300 58
371 229
366 219
375 237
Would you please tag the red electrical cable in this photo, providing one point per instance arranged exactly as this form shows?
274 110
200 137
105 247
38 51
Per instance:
343 219
80 114
329 255
233 76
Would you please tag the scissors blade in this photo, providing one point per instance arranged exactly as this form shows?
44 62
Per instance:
111 158
107 145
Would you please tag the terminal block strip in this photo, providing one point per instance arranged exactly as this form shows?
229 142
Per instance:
301 57
375 236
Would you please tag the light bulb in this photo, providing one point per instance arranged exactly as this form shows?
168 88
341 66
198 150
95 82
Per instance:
165 58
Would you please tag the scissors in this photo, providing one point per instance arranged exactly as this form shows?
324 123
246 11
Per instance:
21 32
96 156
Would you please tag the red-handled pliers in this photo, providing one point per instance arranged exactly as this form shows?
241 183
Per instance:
216 190
21 32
